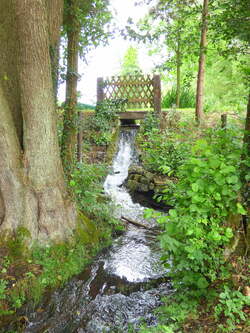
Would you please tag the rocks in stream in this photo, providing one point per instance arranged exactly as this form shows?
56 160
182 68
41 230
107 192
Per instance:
143 185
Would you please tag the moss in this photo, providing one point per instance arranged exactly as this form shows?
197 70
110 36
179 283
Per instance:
16 244
112 148
86 230
132 185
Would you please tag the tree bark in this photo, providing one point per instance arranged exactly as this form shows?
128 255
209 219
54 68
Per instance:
245 171
11 180
201 70
8 64
69 140
178 74
32 189
79 137
247 128
55 19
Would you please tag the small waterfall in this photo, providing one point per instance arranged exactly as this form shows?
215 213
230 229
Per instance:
113 184
132 258
124 284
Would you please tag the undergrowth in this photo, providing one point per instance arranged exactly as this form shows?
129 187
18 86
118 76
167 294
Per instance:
25 273
103 122
87 185
199 234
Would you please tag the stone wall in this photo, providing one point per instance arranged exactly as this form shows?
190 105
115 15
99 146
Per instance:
142 182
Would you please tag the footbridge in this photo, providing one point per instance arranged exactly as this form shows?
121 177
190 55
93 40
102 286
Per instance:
131 92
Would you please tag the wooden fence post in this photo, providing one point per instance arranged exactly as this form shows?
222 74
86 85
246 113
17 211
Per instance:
157 94
224 120
100 90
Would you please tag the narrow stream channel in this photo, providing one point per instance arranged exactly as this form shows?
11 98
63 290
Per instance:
124 284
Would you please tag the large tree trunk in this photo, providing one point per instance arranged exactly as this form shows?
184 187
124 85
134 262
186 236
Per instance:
8 64
55 18
201 70
69 139
32 189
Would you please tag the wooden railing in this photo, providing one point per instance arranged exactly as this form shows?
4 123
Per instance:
140 91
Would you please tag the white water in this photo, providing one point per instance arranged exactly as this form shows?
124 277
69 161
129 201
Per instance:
131 256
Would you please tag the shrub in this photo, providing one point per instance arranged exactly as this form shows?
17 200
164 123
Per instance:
196 232
163 152
87 185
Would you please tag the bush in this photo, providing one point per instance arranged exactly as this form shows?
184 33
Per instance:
163 152
87 185
103 121
196 232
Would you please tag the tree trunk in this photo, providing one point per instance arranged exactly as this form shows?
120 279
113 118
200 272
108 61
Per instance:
55 18
245 171
178 74
247 128
32 189
12 186
8 64
69 140
201 70
79 137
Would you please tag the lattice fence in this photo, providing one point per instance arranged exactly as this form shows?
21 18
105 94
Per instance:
139 91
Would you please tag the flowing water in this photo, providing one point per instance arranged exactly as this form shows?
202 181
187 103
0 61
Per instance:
124 284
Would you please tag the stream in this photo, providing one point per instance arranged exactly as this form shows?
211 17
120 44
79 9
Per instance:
125 282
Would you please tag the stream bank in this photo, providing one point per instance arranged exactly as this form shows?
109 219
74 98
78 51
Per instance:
123 285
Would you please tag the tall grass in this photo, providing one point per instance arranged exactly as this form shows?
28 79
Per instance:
187 98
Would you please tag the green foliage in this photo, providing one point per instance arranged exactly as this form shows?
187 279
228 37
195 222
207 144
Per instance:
16 243
158 329
82 106
195 233
229 20
86 183
225 87
205 195
3 284
173 313
162 151
187 98
151 122
130 64
103 121
230 305
58 263
93 18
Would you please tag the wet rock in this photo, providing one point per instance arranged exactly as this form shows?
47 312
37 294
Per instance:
141 182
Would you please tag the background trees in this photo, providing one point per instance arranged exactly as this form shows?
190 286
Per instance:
84 28
175 27
130 62
201 69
